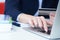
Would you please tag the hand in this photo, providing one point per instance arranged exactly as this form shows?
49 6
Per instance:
34 21
52 16
38 22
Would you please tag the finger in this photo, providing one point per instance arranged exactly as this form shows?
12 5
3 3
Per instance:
44 23
39 22
52 19
49 22
52 14
35 21
31 23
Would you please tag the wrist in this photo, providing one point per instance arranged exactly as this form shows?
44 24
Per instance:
24 18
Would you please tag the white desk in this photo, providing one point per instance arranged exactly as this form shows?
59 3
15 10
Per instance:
20 34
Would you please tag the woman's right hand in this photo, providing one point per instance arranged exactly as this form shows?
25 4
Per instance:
52 17
34 21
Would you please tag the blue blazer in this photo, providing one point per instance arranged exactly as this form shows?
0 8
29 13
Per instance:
15 7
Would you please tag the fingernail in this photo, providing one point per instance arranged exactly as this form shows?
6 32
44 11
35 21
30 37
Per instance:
46 30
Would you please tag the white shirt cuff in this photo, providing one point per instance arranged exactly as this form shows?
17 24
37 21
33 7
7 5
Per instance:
18 17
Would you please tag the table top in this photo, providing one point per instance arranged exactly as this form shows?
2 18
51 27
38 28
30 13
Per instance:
18 33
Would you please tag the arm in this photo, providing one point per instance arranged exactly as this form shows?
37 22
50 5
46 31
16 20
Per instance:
15 7
11 8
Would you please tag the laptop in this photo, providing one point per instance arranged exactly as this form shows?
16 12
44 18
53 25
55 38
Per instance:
54 31
45 12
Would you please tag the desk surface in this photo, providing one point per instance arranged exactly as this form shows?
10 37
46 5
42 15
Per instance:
20 34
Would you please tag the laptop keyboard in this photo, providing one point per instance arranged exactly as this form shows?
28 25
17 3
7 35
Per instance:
35 29
41 30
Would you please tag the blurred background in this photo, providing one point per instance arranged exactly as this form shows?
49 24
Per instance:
2 6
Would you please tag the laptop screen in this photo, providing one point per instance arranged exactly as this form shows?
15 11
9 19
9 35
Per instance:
49 3
45 7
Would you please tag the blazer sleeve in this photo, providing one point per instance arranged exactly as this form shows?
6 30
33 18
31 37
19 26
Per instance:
15 7
11 8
